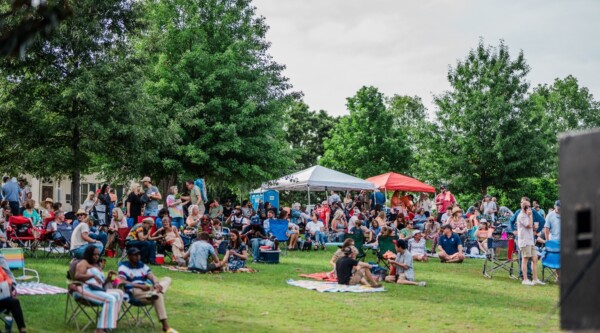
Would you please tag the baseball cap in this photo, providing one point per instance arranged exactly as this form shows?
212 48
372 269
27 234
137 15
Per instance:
133 250
557 203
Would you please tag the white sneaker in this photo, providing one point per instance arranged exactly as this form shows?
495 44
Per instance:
539 282
421 284
527 283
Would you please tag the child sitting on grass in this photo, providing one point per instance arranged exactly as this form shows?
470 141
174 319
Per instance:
405 273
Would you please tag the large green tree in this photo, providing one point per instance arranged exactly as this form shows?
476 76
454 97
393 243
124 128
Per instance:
75 97
568 106
367 142
306 132
490 135
224 96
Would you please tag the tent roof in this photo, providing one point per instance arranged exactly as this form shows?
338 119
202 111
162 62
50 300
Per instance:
396 181
318 178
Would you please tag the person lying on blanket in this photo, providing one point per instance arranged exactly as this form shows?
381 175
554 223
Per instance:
352 272
405 274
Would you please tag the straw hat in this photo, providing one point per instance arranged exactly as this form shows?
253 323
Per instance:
81 211
456 210
146 179
49 200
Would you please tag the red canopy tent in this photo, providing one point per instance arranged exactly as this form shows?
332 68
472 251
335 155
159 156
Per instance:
395 181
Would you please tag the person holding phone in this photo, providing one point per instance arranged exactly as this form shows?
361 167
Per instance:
526 243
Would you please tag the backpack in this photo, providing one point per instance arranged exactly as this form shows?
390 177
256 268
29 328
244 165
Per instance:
202 186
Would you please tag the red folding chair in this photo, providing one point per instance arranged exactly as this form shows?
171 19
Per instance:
24 234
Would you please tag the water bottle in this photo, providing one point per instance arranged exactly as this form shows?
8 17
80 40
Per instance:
8 322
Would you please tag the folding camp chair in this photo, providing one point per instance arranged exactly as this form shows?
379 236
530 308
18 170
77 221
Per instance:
15 259
278 229
385 244
551 260
135 309
24 234
359 242
77 305
499 256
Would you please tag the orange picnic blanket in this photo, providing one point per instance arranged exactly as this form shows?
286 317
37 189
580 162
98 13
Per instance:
326 276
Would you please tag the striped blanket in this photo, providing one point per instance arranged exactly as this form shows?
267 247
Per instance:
34 288
332 287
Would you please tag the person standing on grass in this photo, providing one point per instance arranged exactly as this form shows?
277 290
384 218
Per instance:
526 243
450 249
405 274
153 195
552 227
352 272
444 200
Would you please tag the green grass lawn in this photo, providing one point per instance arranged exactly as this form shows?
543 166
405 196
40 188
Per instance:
457 299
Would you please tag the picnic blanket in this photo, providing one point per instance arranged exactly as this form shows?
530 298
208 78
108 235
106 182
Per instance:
332 287
475 256
185 270
34 288
320 276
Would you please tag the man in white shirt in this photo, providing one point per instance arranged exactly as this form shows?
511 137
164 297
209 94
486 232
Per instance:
80 239
526 243
315 229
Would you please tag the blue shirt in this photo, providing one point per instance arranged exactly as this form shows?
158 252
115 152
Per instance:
553 224
134 274
10 191
377 198
199 252
450 245
536 218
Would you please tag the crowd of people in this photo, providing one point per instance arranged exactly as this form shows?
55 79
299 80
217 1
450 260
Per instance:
193 232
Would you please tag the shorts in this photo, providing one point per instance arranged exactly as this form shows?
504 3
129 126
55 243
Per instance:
209 268
402 277
528 251
357 277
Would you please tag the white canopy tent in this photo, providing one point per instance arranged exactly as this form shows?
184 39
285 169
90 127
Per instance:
318 178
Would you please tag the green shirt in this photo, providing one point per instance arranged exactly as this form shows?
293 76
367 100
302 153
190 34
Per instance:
196 197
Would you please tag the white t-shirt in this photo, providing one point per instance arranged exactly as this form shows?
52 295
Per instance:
425 204
77 240
415 247
314 227
524 234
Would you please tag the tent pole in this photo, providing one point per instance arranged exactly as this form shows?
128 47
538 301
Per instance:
308 194
386 201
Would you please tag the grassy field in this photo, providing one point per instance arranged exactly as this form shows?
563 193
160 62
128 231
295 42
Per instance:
456 299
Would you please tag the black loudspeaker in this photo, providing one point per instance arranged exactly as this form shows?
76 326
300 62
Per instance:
579 173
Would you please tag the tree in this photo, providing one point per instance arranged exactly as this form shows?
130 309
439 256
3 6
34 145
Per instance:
366 142
223 95
567 107
75 98
490 134
306 131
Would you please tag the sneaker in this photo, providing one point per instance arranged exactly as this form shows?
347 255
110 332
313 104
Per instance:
421 284
527 283
171 330
539 282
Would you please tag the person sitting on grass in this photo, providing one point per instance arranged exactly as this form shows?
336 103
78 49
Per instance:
398 224
237 253
417 246
348 243
450 249
405 274
459 226
136 275
407 232
420 219
199 253
257 236
140 237
432 232
352 272
374 230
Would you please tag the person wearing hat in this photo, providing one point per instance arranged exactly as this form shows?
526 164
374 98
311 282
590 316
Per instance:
136 275
552 226
457 222
80 239
47 212
444 200
450 249
81 214
140 237
352 272
257 237
417 246
405 273
153 195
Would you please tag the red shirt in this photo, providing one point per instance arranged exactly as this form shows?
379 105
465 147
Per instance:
322 213
445 203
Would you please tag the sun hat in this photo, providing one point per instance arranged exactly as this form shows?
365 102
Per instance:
81 211
146 179
456 210
49 200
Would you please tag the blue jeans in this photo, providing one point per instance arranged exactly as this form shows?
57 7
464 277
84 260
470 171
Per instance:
177 222
101 236
148 249
256 244
151 212
320 237
78 252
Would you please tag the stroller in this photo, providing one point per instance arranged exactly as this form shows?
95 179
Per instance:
22 232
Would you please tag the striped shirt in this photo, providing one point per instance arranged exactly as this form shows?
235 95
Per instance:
137 274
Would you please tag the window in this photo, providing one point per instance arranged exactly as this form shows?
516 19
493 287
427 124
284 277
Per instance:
85 188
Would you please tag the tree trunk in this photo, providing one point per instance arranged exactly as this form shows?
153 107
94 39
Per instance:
75 189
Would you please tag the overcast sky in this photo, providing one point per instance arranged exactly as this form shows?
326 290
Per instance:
333 47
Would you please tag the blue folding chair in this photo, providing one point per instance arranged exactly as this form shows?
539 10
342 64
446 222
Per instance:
278 229
551 260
